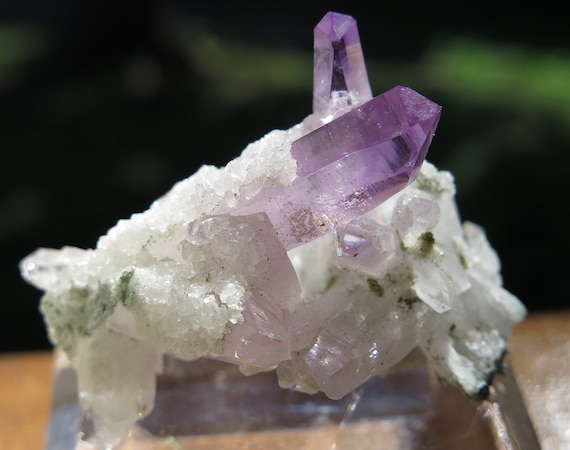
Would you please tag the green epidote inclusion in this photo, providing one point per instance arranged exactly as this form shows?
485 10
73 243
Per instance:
80 310
375 287
426 243
76 313
123 290
407 303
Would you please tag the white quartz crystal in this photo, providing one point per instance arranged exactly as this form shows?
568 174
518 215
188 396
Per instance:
193 277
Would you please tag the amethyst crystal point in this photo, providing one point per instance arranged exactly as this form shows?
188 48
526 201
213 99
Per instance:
339 62
395 128
351 165
367 246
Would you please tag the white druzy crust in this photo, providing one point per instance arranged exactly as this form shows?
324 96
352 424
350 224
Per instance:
184 278
202 273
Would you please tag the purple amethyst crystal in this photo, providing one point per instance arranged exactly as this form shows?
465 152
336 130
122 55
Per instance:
351 165
395 128
339 62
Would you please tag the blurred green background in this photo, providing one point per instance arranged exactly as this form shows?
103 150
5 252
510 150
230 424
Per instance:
104 105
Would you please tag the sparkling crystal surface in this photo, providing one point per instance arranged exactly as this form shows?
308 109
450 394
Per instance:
339 61
331 252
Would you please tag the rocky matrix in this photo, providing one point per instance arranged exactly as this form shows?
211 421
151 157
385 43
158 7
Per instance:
328 251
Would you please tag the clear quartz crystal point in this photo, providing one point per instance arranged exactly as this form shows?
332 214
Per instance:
339 62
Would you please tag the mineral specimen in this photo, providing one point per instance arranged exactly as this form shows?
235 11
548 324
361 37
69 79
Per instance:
328 252
339 61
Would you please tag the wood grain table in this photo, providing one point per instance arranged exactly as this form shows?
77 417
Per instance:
539 352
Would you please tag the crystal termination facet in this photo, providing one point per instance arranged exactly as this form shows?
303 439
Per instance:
339 61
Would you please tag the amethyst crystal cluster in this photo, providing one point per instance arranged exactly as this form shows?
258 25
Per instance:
329 252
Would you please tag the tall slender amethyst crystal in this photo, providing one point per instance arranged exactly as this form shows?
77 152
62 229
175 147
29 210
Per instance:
339 62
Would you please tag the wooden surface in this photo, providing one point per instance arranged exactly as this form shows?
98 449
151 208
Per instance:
539 350
540 354
25 397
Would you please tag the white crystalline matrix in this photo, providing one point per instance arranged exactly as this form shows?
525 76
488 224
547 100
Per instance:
328 252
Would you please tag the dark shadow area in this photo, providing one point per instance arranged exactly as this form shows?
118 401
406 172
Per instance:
104 105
